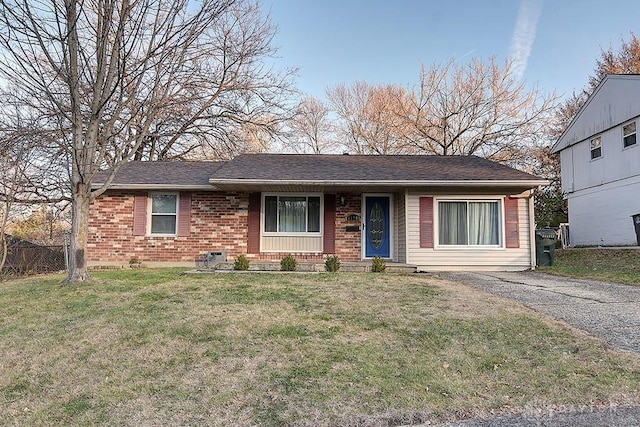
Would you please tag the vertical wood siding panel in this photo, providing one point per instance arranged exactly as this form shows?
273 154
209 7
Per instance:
140 215
184 215
329 237
426 222
253 235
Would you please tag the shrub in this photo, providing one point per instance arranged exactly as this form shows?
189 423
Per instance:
288 263
378 265
241 263
332 264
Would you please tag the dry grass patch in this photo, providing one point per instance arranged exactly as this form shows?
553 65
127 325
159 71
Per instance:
154 347
606 264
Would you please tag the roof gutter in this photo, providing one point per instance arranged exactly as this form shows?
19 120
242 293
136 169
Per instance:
154 187
429 183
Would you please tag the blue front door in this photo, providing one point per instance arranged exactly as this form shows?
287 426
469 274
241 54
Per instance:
377 226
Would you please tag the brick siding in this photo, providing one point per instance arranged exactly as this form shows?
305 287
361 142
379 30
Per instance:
348 243
219 221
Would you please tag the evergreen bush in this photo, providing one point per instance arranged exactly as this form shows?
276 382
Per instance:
241 263
332 264
288 263
378 265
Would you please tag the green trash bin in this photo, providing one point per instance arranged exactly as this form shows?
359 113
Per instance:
545 246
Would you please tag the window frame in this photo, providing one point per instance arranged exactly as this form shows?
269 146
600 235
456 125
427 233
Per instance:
592 149
151 214
470 199
263 215
634 134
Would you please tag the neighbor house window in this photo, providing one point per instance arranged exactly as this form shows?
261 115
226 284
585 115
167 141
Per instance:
469 223
291 214
596 148
629 134
164 213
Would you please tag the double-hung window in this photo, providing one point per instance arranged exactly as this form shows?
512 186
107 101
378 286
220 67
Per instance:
291 214
596 147
164 214
469 223
629 134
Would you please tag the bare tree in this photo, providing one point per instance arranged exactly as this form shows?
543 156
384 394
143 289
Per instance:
10 179
478 108
625 60
147 79
18 165
311 127
368 119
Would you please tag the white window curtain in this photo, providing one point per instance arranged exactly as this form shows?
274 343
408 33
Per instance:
484 223
469 223
452 227
293 214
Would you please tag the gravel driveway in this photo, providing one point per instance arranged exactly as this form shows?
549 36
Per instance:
608 311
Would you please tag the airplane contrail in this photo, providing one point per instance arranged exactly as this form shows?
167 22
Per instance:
524 34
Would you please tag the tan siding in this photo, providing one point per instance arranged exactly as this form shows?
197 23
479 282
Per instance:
400 229
452 259
291 244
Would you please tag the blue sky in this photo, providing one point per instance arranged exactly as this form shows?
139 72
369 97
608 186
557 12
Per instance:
555 42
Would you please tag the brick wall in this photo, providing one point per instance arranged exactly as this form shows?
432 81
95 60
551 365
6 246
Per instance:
348 243
218 222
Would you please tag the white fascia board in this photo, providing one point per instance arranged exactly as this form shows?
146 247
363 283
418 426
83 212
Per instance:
449 183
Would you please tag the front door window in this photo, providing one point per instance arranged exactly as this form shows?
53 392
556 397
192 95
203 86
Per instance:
377 224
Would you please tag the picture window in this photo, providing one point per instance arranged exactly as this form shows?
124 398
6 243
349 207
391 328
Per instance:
292 214
469 223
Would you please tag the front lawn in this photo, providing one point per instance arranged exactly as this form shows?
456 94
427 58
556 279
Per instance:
607 264
155 347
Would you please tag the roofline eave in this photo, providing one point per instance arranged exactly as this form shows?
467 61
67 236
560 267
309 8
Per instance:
184 187
400 183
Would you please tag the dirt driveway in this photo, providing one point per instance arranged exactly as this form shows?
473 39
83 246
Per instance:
606 310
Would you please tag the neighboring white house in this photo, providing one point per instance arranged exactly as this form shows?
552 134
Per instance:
600 161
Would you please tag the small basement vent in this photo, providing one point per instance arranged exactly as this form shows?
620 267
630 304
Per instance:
215 257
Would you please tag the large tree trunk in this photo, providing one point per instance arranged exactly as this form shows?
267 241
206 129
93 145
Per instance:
79 233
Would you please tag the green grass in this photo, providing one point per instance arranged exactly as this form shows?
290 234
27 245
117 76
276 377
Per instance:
155 347
612 265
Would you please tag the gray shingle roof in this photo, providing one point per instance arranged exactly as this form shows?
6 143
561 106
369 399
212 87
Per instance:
176 174
300 167
302 170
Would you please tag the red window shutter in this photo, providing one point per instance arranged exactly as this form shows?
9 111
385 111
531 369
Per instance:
511 226
140 215
329 238
426 222
253 232
184 215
